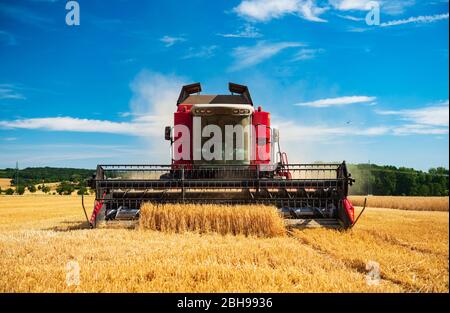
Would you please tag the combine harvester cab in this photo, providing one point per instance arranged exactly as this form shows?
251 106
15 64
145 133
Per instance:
255 171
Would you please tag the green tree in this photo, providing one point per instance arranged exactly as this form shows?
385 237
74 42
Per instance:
82 191
384 183
406 182
424 190
32 188
9 191
45 189
65 188
20 189
437 189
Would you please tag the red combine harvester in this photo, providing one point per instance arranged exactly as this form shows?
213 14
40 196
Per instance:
243 167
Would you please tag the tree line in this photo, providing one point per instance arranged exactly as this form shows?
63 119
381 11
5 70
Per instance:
398 181
69 179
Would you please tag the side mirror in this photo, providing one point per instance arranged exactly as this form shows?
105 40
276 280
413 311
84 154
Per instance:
275 135
167 133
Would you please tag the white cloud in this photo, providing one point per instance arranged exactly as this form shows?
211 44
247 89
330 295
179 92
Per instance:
9 91
415 129
154 99
322 103
74 125
351 18
202 52
307 54
248 31
416 19
434 115
265 10
309 11
346 5
429 120
125 114
392 7
251 55
396 7
169 41
290 130
152 106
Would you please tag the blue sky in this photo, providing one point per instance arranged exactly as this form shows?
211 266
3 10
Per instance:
337 88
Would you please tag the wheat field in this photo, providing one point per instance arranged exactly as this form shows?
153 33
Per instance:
40 235
403 203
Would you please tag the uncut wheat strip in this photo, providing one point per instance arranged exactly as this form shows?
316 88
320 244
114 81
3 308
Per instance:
222 219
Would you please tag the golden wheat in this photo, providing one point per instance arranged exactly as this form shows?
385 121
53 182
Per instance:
411 248
263 221
5 183
403 203
40 234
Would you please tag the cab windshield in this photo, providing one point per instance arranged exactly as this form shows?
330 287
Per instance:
237 138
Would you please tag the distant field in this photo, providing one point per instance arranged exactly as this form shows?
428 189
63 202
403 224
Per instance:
5 183
40 234
403 203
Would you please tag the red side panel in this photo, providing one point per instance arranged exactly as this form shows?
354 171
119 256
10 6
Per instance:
261 123
183 117
97 207
349 209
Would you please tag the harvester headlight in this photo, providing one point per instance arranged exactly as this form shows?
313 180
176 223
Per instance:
208 111
202 111
235 111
